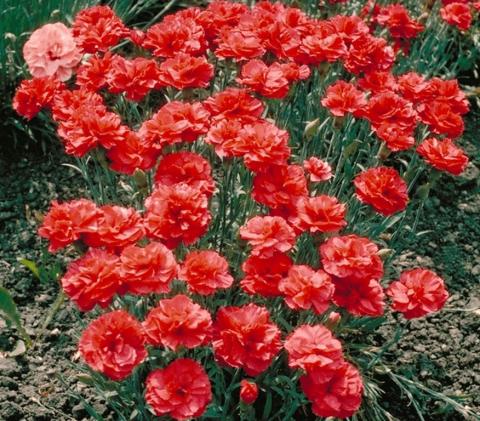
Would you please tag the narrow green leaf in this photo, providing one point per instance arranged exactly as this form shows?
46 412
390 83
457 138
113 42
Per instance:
9 309
30 265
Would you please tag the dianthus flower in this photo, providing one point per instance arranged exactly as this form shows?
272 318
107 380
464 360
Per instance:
263 274
51 51
239 44
93 279
113 344
322 44
398 21
305 288
378 82
186 167
441 118
267 235
395 137
314 350
98 28
35 94
443 155
417 293
178 322
205 271
457 14
244 337
66 222
181 390
146 270
339 397
176 214
351 256
319 214
224 137
342 98
92 74
360 297
368 53
383 189
117 227
317 169
185 71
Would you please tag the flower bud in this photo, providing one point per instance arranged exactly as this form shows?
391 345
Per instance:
333 320
248 392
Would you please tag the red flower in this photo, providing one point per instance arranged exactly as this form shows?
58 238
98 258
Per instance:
279 186
223 136
417 293
267 81
342 98
318 170
67 222
396 138
205 271
244 337
322 44
457 14
93 279
175 122
361 297
378 82
368 53
181 390
319 214
351 256
441 118
396 18
305 288
177 214
186 167
239 44
132 154
146 270
117 227
248 392
349 27
314 350
92 74
133 77
263 274
340 397
234 104
262 144
113 344
267 235
178 322
185 71
221 14
448 91
176 34
443 155
67 103
414 87
97 28
383 189
35 94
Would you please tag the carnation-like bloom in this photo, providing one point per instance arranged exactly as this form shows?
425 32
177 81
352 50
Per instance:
342 98
248 391
360 297
267 235
398 21
383 189
186 167
117 227
181 390
51 51
317 169
442 118
176 214
244 337
368 53
92 74
205 271
98 28
305 288
263 274
113 344
443 155
35 94
351 256
92 280
378 82
314 350
339 397
319 214
146 270
66 222
239 44
185 71
178 322
417 293
458 14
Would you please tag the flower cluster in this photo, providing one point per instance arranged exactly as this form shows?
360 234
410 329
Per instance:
264 51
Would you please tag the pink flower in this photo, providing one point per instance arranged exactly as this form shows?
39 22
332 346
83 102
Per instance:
51 51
